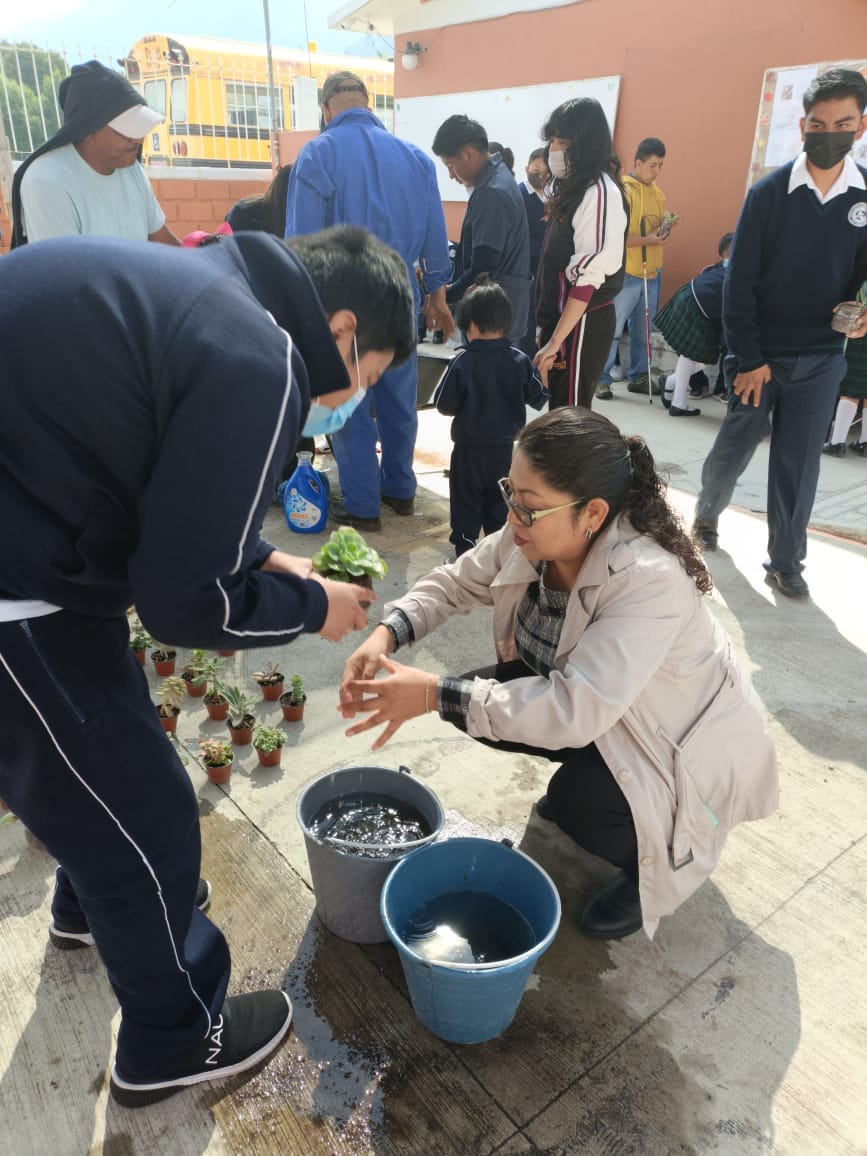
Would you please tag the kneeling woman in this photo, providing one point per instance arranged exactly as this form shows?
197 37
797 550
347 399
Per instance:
609 663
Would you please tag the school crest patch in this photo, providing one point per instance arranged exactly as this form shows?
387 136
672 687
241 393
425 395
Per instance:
858 215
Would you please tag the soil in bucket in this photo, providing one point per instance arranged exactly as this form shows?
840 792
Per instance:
369 825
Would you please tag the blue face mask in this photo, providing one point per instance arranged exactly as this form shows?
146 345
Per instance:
321 420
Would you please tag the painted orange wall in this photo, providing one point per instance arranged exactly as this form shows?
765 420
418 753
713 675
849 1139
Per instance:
201 204
691 74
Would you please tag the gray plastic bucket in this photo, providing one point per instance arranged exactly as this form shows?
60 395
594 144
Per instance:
347 885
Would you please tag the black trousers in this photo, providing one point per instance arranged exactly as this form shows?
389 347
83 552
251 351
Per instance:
475 500
584 798
587 349
86 765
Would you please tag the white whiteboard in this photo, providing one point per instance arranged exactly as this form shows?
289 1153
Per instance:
512 116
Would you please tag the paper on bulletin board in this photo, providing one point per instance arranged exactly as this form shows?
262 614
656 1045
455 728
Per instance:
778 129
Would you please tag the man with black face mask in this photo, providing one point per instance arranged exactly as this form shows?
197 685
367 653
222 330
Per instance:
800 251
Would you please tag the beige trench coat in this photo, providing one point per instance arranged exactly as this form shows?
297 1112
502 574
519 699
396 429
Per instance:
644 671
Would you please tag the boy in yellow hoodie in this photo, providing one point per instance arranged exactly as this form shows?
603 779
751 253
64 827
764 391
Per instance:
644 242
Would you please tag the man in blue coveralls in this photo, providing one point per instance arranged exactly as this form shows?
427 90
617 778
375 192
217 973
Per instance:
355 172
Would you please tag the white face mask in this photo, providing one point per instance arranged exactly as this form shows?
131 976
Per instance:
558 164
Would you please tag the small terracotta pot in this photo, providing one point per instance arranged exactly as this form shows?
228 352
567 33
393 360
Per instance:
292 712
194 691
271 758
165 667
226 653
169 723
220 774
271 691
218 711
141 655
242 736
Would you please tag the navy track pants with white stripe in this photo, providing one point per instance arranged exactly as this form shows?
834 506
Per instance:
86 766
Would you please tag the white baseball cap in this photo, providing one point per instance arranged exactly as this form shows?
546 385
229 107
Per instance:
136 122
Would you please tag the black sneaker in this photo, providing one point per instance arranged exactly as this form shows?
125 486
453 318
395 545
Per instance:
339 514
247 1030
639 385
403 506
792 585
705 534
71 936
859 448
604 391
677 411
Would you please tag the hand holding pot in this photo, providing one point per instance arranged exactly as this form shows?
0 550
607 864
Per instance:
280 562
406 693
347 608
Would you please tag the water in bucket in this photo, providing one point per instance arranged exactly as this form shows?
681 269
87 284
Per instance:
369 825
468 927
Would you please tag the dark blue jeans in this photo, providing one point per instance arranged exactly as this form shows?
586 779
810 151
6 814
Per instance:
86 766
798 404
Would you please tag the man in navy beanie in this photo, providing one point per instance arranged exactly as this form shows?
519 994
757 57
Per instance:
86 179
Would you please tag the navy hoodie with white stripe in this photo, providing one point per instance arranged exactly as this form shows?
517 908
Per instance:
149 398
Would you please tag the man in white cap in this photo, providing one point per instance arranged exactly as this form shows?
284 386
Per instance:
86 179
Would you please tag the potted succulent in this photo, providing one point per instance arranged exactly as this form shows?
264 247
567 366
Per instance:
217 758
226 653
268 742
139 639
346 557
215 700
193 673
171 693
270 679
163 659
240 718
292 702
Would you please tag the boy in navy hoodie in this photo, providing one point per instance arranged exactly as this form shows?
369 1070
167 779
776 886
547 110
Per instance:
486 388
122 364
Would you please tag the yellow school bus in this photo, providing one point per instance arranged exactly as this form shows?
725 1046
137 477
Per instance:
215 98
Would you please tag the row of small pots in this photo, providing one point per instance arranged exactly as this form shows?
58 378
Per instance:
165 667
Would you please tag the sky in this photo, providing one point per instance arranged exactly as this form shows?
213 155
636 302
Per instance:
108 29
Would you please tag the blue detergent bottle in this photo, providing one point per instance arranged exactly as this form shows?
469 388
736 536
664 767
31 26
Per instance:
305 498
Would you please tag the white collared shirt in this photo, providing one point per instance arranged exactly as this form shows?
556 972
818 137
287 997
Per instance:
850 177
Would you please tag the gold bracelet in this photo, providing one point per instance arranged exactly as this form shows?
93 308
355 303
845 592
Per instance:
432 682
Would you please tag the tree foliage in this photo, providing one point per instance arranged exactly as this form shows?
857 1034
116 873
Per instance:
29 79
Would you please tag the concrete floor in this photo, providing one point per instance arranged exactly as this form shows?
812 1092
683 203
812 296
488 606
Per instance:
740 1029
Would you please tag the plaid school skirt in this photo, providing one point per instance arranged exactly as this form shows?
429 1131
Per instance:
854 384
687 330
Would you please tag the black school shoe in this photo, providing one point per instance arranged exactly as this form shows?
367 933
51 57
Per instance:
247 1030
706 534
405 507
615 912
792 585
70 937
339 514
677 411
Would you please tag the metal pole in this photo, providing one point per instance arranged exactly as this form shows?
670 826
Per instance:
272 91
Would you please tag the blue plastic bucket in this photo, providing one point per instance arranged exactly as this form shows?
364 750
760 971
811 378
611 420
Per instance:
347 885
467 1003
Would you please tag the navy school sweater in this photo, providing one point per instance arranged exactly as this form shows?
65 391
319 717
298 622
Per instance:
487 388
149 402
793 259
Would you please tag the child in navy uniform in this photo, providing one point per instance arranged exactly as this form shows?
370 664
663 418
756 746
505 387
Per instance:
487 387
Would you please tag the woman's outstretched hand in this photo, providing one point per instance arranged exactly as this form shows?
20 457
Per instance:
404 694
544 360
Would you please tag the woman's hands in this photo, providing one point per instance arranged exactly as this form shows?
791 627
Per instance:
544 360
405 694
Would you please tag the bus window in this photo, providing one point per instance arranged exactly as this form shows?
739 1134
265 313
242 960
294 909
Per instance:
248 106
155 95
179 100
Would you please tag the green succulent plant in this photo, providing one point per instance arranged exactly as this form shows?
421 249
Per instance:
267 739
346 556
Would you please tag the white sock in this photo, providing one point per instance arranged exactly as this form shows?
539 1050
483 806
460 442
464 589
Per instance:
668 387
683 371
846 410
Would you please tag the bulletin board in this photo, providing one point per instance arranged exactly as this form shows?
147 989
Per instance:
512 116
778 132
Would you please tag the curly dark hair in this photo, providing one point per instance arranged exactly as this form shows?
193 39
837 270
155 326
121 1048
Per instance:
590 154
584 454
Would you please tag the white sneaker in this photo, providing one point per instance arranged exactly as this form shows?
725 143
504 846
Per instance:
616 373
